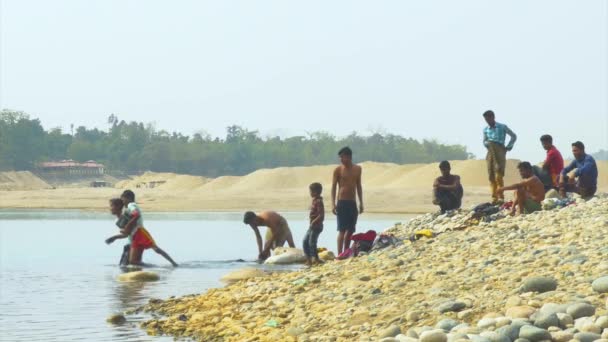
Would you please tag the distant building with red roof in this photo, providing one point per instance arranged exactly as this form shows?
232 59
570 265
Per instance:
71 167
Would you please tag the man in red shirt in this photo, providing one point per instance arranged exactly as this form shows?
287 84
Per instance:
554 164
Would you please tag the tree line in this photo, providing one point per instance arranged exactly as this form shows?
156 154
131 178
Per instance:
133 147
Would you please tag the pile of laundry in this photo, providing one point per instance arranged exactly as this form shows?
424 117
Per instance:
432 224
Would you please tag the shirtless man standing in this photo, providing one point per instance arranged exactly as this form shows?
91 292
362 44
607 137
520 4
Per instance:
348 177
529 193
277 234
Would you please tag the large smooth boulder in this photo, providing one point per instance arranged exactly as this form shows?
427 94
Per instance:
243 274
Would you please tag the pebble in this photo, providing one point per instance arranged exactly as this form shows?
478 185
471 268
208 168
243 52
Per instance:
546 321
465 314
295 331
602 322
433 336
578 310
587 337
600 285
138 276
391 331
116 319
486 323
564 320
447 324
511 331
533 333
495 336
389 339
550 308
591 328
413 316
412 333
561 336
403 338
520 311
539 284
502 321
451 306
513 301
478 338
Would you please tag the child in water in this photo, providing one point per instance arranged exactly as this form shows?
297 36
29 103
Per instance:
130 222
116 206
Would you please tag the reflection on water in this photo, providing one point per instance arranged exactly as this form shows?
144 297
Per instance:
58 277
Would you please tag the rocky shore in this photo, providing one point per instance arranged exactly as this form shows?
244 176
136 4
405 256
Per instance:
533 278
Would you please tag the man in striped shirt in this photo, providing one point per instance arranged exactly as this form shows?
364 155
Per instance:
494 136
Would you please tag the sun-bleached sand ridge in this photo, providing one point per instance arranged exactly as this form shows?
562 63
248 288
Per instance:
387 188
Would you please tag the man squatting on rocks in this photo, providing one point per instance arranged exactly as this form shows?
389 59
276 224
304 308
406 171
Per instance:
447 190
584 181
529 193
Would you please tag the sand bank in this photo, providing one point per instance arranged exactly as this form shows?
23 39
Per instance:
388 188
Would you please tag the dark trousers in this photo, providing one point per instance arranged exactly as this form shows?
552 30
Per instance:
448 200
310 242
584 186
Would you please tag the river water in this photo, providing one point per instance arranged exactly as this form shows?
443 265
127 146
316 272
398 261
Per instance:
58 277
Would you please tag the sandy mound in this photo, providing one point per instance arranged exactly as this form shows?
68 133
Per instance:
165 181
21 180
375 175
387 188
220 183
284 178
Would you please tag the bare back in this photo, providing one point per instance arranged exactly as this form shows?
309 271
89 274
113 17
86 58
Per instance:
272 220
347 179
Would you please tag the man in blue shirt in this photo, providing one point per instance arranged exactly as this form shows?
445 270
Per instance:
494 136
584 181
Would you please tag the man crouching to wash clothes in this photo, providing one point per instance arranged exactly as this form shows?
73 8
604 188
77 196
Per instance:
277 234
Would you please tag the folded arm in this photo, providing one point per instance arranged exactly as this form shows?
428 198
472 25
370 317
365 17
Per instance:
453 186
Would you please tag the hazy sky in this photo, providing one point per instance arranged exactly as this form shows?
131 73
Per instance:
425 69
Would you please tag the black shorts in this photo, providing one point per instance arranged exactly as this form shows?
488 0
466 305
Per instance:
347 215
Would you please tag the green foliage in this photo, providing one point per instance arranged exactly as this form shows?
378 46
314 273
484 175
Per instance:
22 141
134 147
